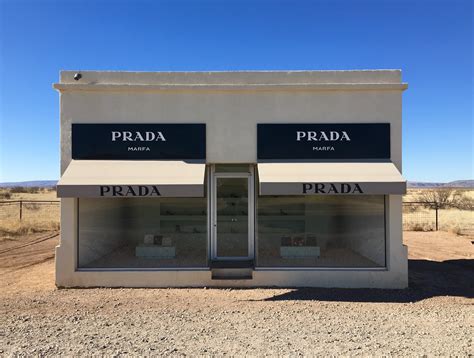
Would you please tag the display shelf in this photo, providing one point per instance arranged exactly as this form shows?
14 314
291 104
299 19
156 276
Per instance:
297 252
192 207
283 209
276 232
232 201
183 218
281 217
243 198
242 216
177 234
155 251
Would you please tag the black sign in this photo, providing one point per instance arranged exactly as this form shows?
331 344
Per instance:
323 141
139 141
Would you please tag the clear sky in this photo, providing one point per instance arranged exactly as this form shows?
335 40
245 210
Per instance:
431 41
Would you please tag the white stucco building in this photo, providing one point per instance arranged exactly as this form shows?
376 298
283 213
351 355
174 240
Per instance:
180 179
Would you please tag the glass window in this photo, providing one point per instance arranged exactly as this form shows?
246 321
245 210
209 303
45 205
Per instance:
142 232
321 231
232 217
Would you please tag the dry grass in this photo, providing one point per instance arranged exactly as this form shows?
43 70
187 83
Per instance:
12 228
452 220
43 194
419 218
36 217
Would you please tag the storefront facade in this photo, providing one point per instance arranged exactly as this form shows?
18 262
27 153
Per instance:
243 179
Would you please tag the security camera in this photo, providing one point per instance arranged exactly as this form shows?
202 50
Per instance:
77 76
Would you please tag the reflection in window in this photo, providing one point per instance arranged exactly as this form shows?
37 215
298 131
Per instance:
321 231
142 232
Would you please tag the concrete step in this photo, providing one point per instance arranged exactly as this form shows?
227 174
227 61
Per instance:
232 269
232 264
232 273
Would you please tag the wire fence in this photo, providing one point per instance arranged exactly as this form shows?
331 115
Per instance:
417 216
420 216
29 210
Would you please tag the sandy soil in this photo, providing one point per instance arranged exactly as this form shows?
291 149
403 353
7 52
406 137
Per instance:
438 246
434 316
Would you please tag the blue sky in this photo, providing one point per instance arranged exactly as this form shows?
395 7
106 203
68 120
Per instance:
431 41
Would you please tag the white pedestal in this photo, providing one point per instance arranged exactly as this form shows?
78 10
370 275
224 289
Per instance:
294 252
162 252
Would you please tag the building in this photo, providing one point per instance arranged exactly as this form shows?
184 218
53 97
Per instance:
180 179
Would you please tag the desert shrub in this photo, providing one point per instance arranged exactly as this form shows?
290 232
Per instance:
5 195
436 198
456 229
444 198
23 189
18 189
418 227
411 208
32 206
463 202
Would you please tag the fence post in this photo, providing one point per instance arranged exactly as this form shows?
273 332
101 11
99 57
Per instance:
21 209
436 218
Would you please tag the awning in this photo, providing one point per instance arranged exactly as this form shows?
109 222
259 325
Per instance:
121 178
330 179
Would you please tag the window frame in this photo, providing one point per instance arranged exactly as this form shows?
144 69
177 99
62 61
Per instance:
134 269
385 267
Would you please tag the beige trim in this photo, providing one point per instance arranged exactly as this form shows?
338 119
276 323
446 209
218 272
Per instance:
84 178
291 178
234 77
110 87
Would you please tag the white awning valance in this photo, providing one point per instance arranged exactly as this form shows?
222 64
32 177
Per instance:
330 179
122 178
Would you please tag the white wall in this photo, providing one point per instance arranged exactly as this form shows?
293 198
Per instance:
231 113
231 118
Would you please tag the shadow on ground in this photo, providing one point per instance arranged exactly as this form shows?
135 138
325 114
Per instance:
426 279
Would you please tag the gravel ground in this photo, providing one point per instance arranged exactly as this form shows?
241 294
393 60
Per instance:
433 317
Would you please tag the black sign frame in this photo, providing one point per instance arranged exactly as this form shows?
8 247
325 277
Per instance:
148 141
367 141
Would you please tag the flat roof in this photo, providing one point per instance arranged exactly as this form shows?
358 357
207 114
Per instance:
123 81
233 77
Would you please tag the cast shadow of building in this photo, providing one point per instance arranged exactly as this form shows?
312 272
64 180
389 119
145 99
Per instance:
426 279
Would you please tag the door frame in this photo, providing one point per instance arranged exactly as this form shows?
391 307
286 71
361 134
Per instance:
250 210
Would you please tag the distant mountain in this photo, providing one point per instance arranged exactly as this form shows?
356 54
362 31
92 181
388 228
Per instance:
460 184
28 184
451 184
419 184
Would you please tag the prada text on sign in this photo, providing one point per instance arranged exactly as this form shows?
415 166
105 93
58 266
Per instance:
331 188
129 190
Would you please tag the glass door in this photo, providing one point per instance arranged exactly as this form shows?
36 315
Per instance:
232 208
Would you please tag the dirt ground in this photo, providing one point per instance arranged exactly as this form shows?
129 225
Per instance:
435 316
